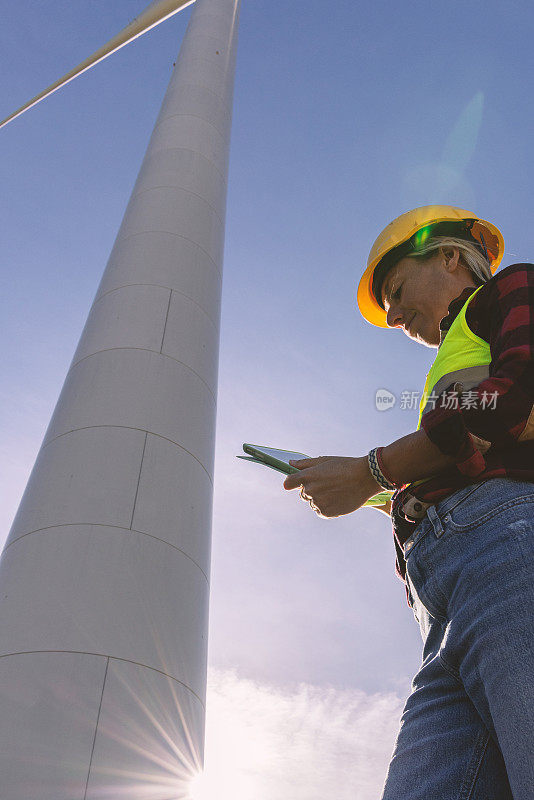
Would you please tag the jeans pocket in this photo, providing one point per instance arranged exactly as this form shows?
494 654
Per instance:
488 500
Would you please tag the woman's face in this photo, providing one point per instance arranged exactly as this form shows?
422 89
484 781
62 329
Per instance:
416 293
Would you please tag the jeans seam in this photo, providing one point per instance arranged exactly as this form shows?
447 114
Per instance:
468 788
450 670
416 541
427 566
420 587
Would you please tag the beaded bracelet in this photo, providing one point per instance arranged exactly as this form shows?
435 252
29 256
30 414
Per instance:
376 467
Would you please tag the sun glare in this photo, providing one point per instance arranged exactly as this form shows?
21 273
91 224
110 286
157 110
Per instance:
198 788
206 787
221 784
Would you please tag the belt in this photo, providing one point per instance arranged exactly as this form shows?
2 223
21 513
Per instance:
408 507
413 509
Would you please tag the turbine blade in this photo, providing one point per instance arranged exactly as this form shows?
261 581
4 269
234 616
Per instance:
158 11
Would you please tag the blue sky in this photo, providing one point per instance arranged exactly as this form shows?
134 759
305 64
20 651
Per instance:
345 116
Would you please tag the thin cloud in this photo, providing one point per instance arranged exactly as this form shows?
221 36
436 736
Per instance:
306 743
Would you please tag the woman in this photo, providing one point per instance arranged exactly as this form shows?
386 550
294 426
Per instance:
462 503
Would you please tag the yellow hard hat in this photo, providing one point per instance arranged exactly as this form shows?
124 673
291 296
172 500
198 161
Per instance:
402 237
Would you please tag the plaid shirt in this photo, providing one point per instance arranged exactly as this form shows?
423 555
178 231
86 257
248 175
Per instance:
501 423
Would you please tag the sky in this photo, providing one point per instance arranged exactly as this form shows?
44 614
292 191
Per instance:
345 116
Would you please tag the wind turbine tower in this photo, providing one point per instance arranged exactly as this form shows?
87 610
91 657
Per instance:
104 579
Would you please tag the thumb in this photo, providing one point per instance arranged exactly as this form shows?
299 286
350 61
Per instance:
305 463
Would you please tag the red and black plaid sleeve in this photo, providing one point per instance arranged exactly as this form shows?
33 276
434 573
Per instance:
502 313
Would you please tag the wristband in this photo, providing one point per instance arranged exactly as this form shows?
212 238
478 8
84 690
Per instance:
385 473
375 465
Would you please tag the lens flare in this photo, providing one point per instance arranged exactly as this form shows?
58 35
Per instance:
421 237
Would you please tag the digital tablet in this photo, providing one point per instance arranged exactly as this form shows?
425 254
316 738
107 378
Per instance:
271 457
279 461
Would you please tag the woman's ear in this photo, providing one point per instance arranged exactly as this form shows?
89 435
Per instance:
451 257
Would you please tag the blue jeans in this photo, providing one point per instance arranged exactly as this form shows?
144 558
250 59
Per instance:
467 730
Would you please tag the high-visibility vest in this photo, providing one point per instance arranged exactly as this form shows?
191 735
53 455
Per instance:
463 358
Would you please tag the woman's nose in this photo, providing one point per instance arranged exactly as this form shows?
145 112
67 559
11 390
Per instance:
394 316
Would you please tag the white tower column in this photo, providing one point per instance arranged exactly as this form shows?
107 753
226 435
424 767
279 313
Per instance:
104 580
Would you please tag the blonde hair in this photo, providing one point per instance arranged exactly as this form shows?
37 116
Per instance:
470 255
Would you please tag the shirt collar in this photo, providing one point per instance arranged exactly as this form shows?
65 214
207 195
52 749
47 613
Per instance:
454 309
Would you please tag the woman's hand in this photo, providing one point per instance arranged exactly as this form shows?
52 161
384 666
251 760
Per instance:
332 485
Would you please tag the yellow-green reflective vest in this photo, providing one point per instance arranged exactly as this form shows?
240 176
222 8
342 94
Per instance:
463 358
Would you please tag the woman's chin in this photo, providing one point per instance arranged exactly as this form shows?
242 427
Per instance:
421 336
